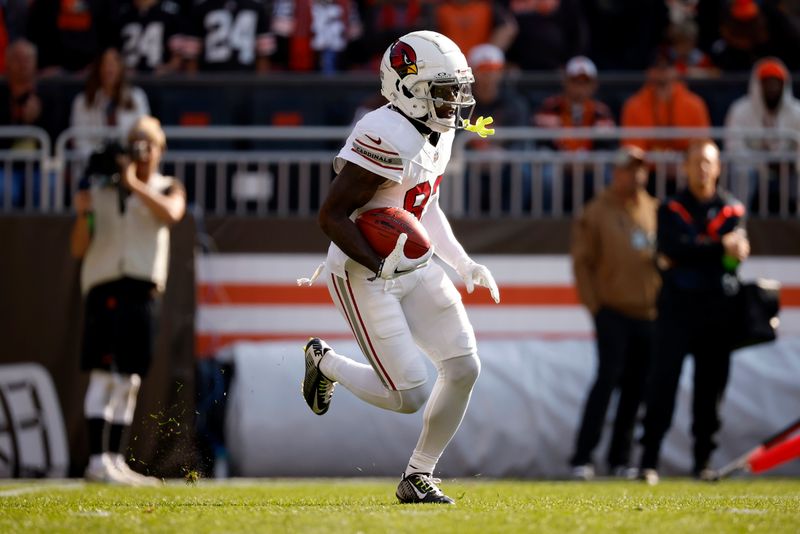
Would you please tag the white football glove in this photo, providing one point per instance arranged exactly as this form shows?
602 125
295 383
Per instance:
476 274
396 264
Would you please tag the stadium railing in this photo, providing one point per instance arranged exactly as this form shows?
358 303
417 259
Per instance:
526 177
25 180
286 172
263 171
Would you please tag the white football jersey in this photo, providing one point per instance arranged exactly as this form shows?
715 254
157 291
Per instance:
387 144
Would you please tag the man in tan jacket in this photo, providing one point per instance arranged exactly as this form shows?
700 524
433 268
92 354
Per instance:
613 247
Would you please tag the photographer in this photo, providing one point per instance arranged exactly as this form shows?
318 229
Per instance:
124 210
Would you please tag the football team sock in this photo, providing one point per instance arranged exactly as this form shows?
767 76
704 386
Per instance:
97 428
445 410
117 438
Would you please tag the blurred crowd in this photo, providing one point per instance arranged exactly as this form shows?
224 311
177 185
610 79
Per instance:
162 36
107 43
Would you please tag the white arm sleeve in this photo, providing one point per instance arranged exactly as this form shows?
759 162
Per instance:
445 244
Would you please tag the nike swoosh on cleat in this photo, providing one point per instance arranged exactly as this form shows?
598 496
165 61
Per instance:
419 494
376 141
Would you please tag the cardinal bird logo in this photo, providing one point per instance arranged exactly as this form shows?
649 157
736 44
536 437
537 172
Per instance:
403 59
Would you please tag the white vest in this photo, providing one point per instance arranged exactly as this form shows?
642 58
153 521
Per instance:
134 243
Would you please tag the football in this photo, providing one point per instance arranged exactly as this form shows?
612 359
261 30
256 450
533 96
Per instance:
382 226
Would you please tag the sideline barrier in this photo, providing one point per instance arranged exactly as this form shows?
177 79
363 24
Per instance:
521 422
286 172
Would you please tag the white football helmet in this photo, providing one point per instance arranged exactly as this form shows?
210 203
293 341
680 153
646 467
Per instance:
425 75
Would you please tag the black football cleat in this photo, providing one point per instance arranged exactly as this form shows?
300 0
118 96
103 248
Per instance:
317 388
421 488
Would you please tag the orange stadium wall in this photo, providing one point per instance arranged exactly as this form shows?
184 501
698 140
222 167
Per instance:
40 308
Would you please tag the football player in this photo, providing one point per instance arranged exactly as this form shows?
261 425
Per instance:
395 306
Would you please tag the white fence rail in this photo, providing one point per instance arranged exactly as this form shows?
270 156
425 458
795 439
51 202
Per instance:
286 172
25 182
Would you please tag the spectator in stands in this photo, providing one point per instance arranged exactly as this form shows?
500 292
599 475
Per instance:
574 107
783 19
613 259
152 37
229 35
473 22
384 22
20 105
744 37
70 35
108 100
312 35
494 95
549 33
664 102
701 241
15 14
768 105
3 39
623 34
122 233
496 98
689 60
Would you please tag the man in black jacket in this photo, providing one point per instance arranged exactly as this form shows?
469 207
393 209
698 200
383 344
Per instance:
701 241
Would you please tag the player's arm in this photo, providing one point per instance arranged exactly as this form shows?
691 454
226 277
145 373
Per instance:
452 253
584 251
352 188
680 242
441 233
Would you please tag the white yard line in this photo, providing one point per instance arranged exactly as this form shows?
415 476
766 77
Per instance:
39 487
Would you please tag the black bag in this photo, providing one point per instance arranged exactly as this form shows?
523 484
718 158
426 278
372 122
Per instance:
758 304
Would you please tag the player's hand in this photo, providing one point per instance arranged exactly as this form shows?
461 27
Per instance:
480 126
476 274
397 264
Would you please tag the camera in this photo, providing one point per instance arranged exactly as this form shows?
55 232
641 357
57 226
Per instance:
103 167
139 150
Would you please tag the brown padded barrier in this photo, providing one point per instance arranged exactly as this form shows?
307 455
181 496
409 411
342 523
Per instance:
41 321
479 236
40 309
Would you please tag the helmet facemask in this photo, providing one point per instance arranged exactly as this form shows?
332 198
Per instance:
449 102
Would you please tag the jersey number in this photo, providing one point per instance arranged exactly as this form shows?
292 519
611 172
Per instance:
228 32
147 42
327 27
418 196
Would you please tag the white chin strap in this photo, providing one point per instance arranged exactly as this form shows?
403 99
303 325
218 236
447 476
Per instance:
439 125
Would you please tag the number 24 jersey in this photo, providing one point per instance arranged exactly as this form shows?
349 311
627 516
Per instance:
228 35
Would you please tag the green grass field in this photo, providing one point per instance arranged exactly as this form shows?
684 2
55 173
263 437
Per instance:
368 505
